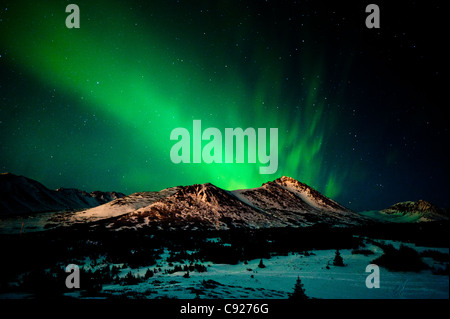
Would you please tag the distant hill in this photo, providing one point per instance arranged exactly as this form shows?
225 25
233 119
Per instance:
408 212
21 195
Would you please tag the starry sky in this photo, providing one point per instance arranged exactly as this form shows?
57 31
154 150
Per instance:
359 112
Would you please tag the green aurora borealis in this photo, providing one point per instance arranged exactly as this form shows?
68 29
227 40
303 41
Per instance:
95 106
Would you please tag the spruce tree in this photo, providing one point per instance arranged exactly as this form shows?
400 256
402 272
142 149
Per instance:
261 265
148 274
299 291
338 261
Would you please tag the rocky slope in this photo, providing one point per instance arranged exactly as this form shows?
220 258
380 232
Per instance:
283 202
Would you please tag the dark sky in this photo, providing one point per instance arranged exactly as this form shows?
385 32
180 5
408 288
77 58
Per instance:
360 112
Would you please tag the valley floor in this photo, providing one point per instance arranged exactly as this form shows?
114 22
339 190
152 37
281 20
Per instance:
278 278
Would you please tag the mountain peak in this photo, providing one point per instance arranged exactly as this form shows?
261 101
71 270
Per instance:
203 192
196 188
421 206
307 194
293 184
22 195
285 178
420 210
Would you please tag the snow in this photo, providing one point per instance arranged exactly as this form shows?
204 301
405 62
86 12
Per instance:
108 210
240 194
277 279
304 195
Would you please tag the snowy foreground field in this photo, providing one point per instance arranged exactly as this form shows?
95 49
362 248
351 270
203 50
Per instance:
277 279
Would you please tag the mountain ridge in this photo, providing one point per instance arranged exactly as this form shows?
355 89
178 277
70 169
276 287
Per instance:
283 202
408 212
424 210
21 195
208 206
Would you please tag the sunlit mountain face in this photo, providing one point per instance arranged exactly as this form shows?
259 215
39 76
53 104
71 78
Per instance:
359 111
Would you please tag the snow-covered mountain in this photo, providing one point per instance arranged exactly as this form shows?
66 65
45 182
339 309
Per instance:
408 212
121 206
21 195
283 202
423 210
292 201
204 206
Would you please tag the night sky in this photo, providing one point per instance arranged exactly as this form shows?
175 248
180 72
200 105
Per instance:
360 112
